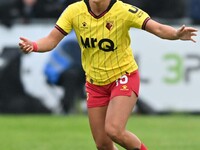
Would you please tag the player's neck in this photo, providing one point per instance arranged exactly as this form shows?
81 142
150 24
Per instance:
99 6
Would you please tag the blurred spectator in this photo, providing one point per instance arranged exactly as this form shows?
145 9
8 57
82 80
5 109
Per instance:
194 11
29 9
37 9
6 12
64 69
40 9
25 10
19 9
52 8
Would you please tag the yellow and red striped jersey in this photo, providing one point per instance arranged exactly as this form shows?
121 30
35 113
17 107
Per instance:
104 39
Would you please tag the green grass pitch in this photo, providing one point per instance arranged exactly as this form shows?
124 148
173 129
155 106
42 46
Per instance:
54 132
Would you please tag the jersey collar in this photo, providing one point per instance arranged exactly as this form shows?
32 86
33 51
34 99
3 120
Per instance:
103 13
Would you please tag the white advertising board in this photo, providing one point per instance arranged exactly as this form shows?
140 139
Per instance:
32 65
170 70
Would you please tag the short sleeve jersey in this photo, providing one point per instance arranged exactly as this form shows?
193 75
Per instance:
104 39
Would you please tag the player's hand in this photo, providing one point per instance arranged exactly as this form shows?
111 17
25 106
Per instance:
186 33
26 45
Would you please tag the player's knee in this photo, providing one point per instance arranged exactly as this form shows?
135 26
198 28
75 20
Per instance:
114 131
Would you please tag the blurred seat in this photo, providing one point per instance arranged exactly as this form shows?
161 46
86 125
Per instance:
194 11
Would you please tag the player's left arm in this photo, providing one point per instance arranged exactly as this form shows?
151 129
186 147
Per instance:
169 32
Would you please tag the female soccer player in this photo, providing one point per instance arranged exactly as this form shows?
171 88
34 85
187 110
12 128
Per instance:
112 78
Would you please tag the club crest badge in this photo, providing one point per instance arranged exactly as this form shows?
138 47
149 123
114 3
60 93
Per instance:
109 25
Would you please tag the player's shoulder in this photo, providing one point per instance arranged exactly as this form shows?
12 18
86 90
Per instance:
128 9
123 8
123 5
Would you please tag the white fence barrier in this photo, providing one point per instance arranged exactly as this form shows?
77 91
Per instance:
170 70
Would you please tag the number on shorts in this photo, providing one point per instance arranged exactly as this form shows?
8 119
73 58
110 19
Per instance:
122 80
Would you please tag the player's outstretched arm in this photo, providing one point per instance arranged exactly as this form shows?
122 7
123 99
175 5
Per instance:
170 33
42 45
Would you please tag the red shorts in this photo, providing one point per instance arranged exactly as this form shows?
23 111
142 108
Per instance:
98 96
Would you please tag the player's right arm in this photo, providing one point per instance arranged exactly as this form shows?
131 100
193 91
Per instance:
42 45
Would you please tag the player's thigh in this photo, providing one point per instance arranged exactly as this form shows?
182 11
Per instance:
119 110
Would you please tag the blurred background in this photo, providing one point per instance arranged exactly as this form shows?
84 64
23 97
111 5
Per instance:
42 96
53 82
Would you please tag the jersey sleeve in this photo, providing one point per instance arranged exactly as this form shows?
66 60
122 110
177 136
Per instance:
137 17
64 22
